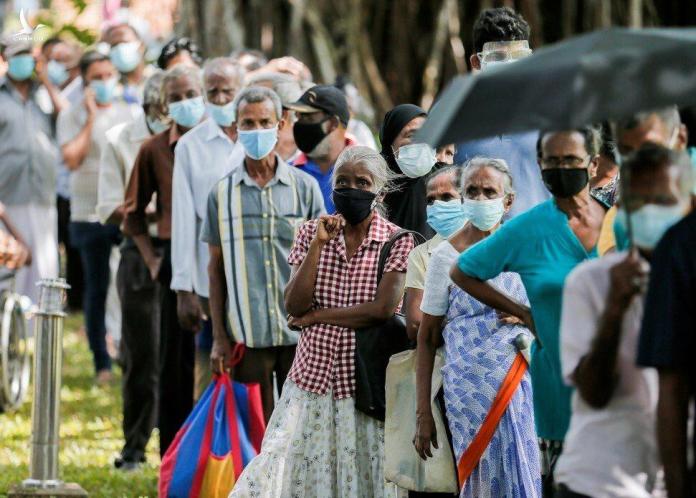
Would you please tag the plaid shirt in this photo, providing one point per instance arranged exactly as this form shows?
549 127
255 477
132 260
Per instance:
325 353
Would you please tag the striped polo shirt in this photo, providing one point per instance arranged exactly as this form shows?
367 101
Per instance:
256 227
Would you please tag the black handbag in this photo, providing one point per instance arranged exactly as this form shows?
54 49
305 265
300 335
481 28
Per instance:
376 344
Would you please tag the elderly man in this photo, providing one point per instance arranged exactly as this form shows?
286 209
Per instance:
81 135
28 159
289 90
137 291
202 157
127 54
320 133
152 174
252 217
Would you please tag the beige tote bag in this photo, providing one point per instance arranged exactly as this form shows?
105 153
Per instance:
402 465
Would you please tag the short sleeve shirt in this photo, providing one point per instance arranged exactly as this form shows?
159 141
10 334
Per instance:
542 248
418 263
325 353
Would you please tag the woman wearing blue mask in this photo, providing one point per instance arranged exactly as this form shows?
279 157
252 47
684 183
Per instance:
480 349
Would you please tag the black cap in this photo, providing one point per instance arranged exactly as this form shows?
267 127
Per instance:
326 98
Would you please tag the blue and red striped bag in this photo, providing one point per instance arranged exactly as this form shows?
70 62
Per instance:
219 438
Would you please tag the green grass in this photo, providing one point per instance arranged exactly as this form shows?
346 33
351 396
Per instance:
90 432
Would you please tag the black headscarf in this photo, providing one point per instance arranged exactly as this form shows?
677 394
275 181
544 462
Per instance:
394 122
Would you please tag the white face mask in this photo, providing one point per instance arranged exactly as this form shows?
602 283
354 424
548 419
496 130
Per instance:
484 214
416 160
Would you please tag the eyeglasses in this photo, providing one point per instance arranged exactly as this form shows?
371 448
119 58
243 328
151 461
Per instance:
557 162
503 55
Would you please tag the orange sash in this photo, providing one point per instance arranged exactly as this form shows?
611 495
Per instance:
471 456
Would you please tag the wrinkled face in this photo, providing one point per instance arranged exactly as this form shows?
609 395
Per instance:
100 70
221 88
484 183
446 154
442 188
652 130
406 134
355 175
256 115
180 89
566 149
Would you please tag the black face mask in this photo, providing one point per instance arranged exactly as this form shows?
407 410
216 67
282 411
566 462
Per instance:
308 135
564 183
353 204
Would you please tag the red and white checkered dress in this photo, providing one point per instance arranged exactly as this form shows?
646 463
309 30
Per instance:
325 353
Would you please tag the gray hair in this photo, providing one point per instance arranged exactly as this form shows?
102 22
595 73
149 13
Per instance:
256 94
226 67
454 171
382 176
181 71
476 163
152 93
288 88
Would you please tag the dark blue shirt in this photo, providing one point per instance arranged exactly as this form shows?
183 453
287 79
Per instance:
323 179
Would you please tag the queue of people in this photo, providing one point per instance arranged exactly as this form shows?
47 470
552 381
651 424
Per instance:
250 207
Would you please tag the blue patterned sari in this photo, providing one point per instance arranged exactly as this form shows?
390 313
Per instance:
479 353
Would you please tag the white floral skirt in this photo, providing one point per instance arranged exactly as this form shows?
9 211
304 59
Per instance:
316 446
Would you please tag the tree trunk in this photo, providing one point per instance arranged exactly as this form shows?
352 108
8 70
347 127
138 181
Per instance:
635 13
431 75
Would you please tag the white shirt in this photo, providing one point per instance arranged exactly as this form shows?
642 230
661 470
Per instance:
121 147
619 438
203 156
435 300
84 180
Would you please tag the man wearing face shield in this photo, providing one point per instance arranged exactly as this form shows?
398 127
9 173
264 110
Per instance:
501 37
406 205
320 133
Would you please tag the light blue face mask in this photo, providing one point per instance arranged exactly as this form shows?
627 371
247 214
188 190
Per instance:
258 143
104 90
484 214
222 114
125 56
156 126
21 67
187 113
649 224
446 217
57 72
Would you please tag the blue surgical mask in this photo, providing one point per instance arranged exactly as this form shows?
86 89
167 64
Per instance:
156 126
446 217
125 56
222 114
57 72
484 214
21 67
104 90
258 143
649 223
187 113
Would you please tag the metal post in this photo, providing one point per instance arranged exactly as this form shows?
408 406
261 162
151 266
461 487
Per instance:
48 361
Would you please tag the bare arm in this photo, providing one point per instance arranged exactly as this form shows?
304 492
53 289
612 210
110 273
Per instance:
218 294
389 293
414 315
429 339
672 415
299 293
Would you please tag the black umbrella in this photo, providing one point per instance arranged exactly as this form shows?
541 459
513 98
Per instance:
607 74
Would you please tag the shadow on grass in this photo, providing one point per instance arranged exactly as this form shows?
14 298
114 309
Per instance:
91 435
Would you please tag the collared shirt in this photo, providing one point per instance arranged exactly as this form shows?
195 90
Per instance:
620 435
84 181
152 174
324 178
203 156
28 154
418 262
325 356
519 152
122 144
255 228
73 93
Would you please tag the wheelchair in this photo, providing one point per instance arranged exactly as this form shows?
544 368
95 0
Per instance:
15 355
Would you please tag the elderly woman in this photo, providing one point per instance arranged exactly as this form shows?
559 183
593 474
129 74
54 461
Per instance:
480 350
543 245
316 443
